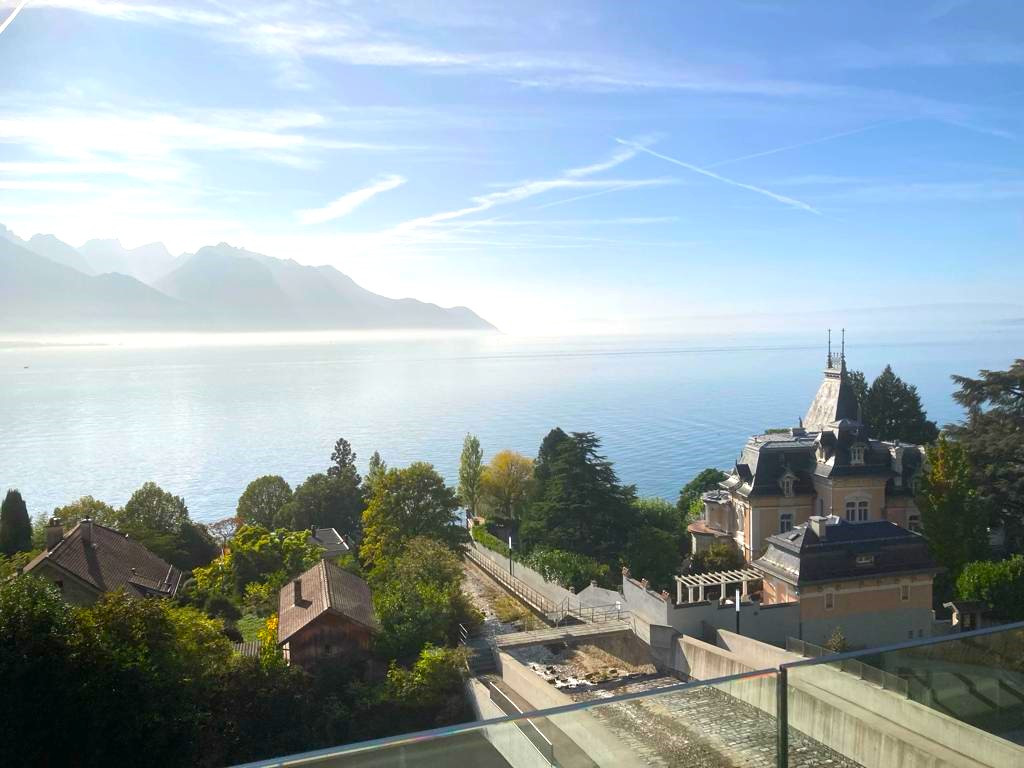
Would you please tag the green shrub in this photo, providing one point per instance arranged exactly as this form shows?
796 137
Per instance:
486 538
568 569
1000 585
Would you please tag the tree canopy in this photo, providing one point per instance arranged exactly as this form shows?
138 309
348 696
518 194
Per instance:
953 517
506 484
327 501
992 436
262 501
706 480
470 471
15 525
578 503
892 408
1000 585
406 503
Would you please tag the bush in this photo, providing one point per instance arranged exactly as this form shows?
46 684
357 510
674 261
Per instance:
568 569
221 607
1000 585
718 557
486 538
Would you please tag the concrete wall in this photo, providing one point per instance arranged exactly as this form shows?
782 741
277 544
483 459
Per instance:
600 744
872 726
869 629
769 623
511 742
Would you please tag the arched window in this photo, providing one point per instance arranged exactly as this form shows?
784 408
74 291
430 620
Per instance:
858 510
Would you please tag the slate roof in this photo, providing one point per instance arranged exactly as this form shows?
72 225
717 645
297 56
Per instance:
325 588
834 401
109 561
329 538
800 557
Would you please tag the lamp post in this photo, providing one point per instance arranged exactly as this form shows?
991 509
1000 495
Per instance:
737 610
510 554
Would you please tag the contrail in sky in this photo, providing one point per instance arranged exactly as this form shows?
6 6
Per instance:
15 12
823 139
712 175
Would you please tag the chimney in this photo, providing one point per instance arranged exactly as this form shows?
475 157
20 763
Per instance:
54 533
86 530
818 524
297 592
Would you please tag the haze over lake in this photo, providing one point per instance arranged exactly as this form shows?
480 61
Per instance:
204 415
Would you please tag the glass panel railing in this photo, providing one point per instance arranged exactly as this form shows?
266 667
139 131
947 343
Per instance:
952 700
724 722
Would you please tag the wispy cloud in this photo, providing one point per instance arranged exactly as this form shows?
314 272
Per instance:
792 202
347 203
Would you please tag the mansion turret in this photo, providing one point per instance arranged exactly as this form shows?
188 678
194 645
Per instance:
829 465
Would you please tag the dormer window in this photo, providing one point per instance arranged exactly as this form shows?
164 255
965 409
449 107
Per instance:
857 454
863 561
787 482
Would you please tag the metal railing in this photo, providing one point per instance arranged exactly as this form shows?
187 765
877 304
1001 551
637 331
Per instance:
517 587
879 677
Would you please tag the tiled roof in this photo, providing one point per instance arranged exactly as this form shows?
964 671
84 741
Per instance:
110 560
328 538
325 587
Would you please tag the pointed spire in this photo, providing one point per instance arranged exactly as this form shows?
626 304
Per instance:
842 354
828 360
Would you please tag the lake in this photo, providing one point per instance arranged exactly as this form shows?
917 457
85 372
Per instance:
204 415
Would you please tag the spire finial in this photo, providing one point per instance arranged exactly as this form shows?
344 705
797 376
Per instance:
842 354
828 361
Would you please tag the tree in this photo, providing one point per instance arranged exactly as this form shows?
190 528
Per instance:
991 434
718 557
570 569
223 530
579 504
15 525
85 507
892 410
859 384
505 484
706 480
154 509
953 517
1000 585
343 462
375 471
262 501
470 471
407 503
653 554
327 501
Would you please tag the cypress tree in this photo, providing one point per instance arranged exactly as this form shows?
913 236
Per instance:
15 526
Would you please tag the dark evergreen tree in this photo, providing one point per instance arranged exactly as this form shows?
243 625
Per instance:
15 525
343 462
581 507
993 435
892 410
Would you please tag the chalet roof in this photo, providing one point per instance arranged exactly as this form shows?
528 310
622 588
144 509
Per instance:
106 560
847 551
324 588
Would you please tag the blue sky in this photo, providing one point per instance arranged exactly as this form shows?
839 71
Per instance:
558 167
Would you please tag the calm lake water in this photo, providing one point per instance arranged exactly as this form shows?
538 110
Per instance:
202 416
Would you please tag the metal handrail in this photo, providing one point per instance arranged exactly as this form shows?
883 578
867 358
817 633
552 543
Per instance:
528 728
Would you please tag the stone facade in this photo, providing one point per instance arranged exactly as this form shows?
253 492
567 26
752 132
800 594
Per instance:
828 465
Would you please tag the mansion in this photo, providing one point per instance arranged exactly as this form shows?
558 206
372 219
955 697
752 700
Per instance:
828 466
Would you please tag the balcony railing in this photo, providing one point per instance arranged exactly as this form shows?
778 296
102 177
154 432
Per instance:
963 705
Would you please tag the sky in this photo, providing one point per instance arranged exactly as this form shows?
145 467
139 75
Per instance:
558 167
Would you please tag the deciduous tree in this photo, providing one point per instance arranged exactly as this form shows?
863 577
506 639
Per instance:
470 471
506 484
327 501
262 501
706 480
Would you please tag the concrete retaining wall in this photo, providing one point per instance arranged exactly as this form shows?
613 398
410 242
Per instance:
872 726
511 742
602 746
550 590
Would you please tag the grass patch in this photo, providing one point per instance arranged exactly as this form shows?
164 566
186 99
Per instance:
511 611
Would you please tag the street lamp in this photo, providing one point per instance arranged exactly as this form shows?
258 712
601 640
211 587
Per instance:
510 554
737 610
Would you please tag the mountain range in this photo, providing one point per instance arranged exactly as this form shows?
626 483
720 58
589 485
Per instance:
48 285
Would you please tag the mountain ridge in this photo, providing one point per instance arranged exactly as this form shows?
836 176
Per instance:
221 288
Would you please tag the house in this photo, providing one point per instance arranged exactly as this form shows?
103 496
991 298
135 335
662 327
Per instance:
828 465
328 538
325 613
871 580
92 559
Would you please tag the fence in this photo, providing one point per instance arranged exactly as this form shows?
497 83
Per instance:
879 677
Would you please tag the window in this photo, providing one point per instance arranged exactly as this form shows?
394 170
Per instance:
787 486
914 523
830 601
821 506
858 510
785 522
857 454
904 591
865 560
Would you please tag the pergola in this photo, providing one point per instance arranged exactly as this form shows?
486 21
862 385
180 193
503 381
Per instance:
699 581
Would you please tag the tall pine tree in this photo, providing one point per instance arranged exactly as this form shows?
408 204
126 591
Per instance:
15 526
